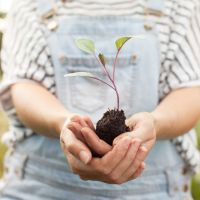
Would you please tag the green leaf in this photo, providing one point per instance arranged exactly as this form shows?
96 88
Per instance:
86 74
85 45
102 59
121 41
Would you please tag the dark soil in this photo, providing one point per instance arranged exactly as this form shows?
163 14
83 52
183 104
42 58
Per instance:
111 125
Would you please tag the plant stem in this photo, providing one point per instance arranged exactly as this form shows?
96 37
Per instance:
104 68
114 87
113 79
117 94
102 81
115 63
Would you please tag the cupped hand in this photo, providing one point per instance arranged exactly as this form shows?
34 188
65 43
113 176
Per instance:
79 138
142 127
114 167
71 137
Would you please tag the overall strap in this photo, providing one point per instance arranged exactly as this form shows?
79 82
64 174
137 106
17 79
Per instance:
155 7
47 10
45 7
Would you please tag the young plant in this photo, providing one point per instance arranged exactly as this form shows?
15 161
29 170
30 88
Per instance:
88 46
113 121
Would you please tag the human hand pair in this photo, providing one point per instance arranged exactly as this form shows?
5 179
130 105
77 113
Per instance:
120 163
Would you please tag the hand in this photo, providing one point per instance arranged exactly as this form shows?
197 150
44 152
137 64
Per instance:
114 167
75 122
77 143
88 169
142 126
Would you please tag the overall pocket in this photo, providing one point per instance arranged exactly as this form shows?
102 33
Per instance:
91 95
86 93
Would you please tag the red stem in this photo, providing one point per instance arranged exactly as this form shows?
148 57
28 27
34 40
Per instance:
115 63
114 87
117 94
102 81
114 67
104 68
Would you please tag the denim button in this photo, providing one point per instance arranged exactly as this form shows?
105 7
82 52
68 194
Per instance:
134 58
52 25
63 58
148 26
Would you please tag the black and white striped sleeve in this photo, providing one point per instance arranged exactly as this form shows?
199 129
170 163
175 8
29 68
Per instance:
25 53
25 57
181 67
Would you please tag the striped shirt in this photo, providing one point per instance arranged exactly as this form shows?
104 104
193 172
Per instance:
26 55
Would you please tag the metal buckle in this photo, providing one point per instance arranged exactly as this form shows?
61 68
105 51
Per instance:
49 20
151 11
49 14
148 26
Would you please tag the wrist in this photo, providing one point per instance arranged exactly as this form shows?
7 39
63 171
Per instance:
58 123
157 124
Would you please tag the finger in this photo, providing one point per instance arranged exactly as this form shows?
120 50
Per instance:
74 146
75 127
94 142
130 173
77 166
138 172
131 122
110 160
89 122
83 121
127 160
75 118
139 133
149 144
116 140
79 119
140 157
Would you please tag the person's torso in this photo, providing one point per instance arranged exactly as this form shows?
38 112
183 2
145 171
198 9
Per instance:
137 77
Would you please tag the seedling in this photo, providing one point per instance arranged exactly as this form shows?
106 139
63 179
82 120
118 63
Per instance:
113 121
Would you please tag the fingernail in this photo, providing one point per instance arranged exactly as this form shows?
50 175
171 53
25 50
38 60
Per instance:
84 157
143 165
143 148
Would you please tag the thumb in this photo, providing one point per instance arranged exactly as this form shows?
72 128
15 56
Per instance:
94 142
70 144
118 138
131 122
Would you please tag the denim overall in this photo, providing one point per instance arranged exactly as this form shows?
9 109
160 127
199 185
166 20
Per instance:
42 172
